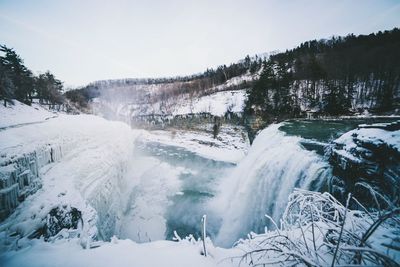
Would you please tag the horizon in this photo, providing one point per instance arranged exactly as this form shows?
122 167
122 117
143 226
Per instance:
135 40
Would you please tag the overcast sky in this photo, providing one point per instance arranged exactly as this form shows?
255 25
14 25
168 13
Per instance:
81 41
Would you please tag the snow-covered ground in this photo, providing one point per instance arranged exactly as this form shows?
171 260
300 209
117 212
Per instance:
16 114
122 253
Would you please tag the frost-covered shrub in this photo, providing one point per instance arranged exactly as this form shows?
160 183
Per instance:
317 230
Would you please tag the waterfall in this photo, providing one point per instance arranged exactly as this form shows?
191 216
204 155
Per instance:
261 183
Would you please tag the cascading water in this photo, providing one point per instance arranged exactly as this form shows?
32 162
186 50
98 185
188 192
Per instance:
262 182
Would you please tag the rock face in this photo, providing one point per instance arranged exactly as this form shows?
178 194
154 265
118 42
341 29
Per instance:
158 122
366 162
20 177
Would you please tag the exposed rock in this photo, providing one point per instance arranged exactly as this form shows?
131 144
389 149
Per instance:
158 121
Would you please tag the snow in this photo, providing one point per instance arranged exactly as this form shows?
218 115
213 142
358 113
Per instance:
301 237
120 253
13 115
217 104
375 136
309 229
89 159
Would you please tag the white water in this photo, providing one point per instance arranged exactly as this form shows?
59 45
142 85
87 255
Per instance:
262 182
152 183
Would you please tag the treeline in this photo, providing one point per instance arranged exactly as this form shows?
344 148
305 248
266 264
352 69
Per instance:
18 82
223 73
331 77
194 85
215 76
82 96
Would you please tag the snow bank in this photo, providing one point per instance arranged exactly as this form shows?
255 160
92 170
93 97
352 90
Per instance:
120 253
16 114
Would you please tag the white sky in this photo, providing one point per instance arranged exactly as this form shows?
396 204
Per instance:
85 40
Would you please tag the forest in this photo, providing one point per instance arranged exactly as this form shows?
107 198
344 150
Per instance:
337 76
18 82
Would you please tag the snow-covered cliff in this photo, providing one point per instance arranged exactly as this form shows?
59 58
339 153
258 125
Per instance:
78 161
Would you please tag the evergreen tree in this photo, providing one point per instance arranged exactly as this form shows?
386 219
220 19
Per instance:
7 88
48 88
259 95
20 76
17 81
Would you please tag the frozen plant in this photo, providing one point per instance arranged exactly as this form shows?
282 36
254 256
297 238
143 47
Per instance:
317 230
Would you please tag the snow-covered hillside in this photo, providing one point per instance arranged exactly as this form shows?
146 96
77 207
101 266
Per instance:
217 104
125 102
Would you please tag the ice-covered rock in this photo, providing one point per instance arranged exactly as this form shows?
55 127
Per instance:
59 218
366 162
19 175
